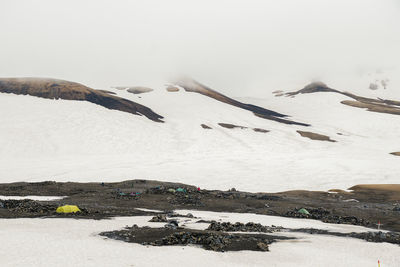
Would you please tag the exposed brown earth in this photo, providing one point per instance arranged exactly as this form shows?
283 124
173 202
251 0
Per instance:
395 153
60 89
389 191
172 89
315 136
363 206
374 105
191 85
381 108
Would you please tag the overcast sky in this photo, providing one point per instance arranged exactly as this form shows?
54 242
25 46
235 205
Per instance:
244 47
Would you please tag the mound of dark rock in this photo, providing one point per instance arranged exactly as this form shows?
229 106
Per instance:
327 216
209 240
241 227
27 206
159 218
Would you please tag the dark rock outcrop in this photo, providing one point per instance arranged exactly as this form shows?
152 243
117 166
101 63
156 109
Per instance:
315 136
191 85
204 126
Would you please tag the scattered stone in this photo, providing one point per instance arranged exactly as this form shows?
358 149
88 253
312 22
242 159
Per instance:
159 218
262 246
173 224
174 214
241 227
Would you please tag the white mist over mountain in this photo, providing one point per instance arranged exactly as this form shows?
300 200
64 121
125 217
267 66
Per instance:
240 47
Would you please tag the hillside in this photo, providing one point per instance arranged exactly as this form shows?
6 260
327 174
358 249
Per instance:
59 89
67 140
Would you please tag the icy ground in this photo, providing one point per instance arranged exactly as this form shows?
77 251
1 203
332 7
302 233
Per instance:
39 198
68 242
61 140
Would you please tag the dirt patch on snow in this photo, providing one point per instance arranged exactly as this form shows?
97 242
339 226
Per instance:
260 130
172 89
381 108
315 136
204 126
231 126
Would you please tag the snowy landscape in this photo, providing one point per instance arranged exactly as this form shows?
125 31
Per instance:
198 134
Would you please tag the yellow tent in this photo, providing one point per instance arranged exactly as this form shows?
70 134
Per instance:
68 209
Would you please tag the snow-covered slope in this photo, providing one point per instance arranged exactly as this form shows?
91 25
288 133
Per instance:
63 140
42 242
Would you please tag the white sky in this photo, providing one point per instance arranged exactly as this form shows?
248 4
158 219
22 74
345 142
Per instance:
245 47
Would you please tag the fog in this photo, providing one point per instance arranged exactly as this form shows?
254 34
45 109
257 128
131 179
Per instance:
243 47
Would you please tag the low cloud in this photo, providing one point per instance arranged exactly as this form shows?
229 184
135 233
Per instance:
242 47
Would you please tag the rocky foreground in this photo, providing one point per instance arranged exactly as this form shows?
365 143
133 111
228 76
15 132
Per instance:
367 205
364 206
